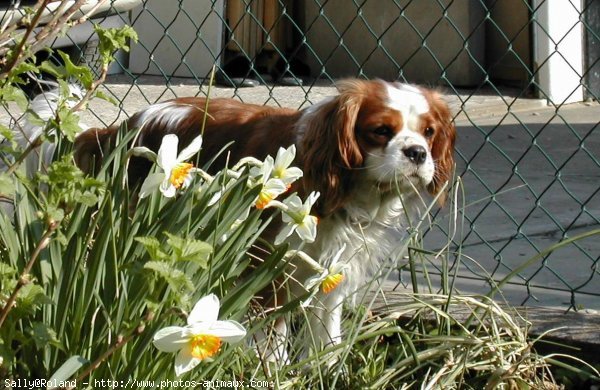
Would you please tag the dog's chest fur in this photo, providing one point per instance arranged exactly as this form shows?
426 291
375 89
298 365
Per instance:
369 231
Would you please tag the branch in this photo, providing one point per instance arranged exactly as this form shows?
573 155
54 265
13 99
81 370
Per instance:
88 94
24 278
121 341
14 58
48 32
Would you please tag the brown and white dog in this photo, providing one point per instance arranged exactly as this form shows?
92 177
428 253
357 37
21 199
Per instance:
371 152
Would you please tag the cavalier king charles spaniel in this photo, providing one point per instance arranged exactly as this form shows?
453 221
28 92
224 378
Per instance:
371 152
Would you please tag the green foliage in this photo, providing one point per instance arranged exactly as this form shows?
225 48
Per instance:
188 249
181 249
69 186
176 279
7 185
11 93
68 70
112 39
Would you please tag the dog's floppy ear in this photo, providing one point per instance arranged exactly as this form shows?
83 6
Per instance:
442 147
329 147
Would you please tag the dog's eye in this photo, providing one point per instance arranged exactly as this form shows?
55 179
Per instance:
429 131
383 131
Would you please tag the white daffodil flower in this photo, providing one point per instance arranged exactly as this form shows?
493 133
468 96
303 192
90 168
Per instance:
271 189
260 174
275 175
201 338
281 166
176 173
297 216
328 279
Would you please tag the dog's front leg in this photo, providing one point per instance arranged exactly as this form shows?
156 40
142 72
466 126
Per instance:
326 320
271 344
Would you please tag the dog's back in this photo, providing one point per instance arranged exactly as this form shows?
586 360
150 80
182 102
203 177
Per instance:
230 130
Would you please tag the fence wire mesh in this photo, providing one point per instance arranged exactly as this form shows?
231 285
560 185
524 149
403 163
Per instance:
528 157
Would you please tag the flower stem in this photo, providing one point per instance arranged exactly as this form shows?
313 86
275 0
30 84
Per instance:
306 258
247 161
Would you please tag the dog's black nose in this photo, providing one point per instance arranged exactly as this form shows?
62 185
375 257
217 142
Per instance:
416 154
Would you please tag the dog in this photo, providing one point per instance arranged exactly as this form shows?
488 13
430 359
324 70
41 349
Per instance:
372 151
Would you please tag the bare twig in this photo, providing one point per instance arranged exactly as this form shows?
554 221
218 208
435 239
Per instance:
88 94
24 278
121 341
49 31
18 53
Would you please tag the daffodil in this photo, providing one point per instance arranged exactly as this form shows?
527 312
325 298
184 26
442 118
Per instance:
281 166
275 175
201 338
328 278
176 173
271 189
297 216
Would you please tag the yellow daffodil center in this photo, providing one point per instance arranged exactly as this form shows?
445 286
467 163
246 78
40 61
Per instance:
205 346
264 198
179 173
331 282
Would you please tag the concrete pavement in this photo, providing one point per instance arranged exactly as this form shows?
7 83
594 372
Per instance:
531 178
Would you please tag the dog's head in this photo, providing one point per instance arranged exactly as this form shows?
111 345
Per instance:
392 135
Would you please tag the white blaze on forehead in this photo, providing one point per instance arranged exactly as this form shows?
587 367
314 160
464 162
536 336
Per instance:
409 100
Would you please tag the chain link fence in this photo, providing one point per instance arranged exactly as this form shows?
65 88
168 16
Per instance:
523 78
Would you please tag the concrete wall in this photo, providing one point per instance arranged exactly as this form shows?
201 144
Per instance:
190 47
393 48
508 42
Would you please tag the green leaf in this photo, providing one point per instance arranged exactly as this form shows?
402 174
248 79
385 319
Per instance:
69 70
11 93
35 119
82 73
43 335
113 39
68 185
7 270
152 246
7 185
187 249
54 213
6 133
69 123
177 279
30 297
67 370
22 68
101 95
52 69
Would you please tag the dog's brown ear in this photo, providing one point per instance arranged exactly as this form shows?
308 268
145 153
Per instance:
330 151
442 147
90 147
